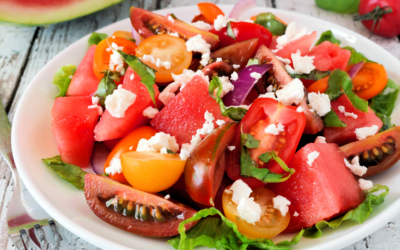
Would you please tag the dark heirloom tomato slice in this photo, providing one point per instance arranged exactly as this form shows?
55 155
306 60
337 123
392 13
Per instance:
133 210
202 18
218 69
280 77
205 168
147 24
378 153
262 113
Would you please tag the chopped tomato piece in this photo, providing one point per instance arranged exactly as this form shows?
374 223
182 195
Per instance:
319 86
210 11
370 80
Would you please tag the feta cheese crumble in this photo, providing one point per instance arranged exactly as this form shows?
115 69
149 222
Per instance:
301 64
299 109
311 157
281 204
236 66
201 25
365 184
157 142
116 60
171 19
292 93
231 148
295 214
99 109
175 34
234 76
320 139
221 22
149 58
167 197
274 129
256 76
220 122
198 44
362 133
240 190
342 109
291 34
132 76
227 86
164 150
115 166
268 95
355 166
165 64
249 210
219 59
208 125
189 147
184 154
150 112
320 103
95 100
284 60
120 100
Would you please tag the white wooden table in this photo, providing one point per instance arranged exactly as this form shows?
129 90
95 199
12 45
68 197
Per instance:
25 50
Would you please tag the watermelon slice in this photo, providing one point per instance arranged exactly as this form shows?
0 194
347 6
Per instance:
111 127
185 113
84 82
73 124
321 191
303 44
328 56
41 12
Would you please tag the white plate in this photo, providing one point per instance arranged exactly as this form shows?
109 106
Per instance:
32 140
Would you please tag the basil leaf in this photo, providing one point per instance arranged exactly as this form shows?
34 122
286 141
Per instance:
384 102
314 75
327 36
253 61
249 141
359 214
170 152
332 120
146 73
357 102
95 38
230 32
106 87
234 113
71 173
387 122
355 57
221 233
269 21
63 77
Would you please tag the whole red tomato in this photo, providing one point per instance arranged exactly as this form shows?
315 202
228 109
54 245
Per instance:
389 23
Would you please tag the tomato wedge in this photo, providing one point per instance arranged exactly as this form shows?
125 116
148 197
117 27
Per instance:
370 80
319 86
210 11
262 113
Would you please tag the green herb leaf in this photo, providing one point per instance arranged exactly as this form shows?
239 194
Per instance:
387 122
234 113
328 36
314 75
249 141
357 102
106 87
174 17
359 214
229 31
169 151
71 173
355 57
63 77
253 61
331 119
269 21
384 102
146 73
221 233
95 38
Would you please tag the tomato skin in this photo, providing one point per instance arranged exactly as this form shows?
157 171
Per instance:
373 76
210 11
319 86
244 31
265 111
123 34
389 25
128 143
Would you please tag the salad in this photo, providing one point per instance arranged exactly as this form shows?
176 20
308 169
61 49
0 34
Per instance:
224 132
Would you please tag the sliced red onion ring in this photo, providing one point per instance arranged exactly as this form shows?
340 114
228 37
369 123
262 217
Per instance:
244 84
99 157
354 69
241 7
135 36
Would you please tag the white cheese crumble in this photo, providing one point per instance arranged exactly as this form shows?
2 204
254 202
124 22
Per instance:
249 210
150 112
165 64
299 109
149 58
227 86
362 133
175 34
208 125
292 93
221 22
167 197
205 58
295 214
157 142
189 147
231 148
270 88
320 103
116 61
164 150
198 44
256 76
342 109
132 76
115 166
95 100
281 204
220 122
201 25
365 184
274 129
219 59
240 190
99 109
268 95
120 100
320 139
311 157
355 166
284 60
301 64
184 154
171 19
236 66
290 35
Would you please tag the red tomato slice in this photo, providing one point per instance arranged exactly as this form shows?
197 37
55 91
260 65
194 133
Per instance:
262 113
210 11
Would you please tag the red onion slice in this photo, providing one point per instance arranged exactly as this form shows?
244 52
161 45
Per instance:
241 7
135 36
99 157
354 69
244 84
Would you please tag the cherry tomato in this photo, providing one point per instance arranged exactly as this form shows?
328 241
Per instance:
210 11
123 34
271 222
151 172
244 31
168 49
370 80
102 53
202 18
128 143
319 86
262 113
389 23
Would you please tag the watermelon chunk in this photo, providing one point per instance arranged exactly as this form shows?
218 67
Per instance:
84 82
303 44
110 127
185 113
328 56
321 191
73 124
347 134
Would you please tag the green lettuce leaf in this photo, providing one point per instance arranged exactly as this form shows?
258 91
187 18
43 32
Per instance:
146 73
71 173
106 87
331 119
387 122
359 214
221 233
327 36
268 21
63 77
355 57
314 75
95 38
384 102
234 113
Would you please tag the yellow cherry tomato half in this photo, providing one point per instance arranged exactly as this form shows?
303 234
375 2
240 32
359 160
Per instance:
271 222
128 143
123 34
151 172
169 50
